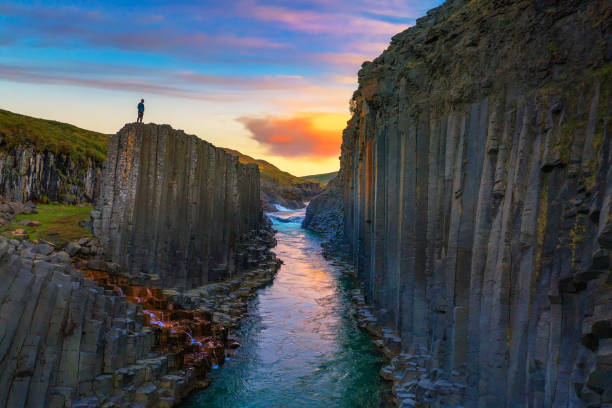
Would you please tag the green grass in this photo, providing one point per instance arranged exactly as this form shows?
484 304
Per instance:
322 179
59 224
49 135
268 170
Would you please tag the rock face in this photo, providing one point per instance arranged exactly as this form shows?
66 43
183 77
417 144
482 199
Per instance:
176 206
280 187
65 339
27 174
293 197
477 199
324 212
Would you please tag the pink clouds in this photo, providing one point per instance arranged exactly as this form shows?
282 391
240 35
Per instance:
341 58
307 135
28 75
73 26
323 23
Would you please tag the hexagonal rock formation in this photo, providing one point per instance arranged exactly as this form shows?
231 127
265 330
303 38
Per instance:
477 195
174 205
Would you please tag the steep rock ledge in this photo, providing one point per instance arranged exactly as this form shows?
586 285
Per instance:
477 200
176 206
324 212
65 341
93 336
27 174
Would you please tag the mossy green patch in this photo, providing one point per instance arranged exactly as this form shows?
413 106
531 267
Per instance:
52 136
59 224
577 235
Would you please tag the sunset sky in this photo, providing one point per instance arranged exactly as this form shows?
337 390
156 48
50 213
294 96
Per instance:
269 78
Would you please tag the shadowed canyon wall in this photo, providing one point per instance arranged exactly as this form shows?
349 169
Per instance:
28 174
176 206
477 199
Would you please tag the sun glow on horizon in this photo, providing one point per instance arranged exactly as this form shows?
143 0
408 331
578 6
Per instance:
276 89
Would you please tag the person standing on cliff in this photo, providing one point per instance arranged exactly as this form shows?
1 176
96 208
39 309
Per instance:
140 111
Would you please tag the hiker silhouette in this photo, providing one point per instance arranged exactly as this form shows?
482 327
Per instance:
140 111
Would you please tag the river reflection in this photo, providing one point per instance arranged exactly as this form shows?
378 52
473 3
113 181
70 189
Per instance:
301 346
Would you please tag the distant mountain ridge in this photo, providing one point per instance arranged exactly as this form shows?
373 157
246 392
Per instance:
278 186
322 178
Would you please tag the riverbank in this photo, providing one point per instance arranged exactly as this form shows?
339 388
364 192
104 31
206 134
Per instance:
301 344
79 331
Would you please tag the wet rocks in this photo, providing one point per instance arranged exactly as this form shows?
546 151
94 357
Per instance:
66 340
113 339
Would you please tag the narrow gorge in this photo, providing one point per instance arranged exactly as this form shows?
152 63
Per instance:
125 318
461 256
476 193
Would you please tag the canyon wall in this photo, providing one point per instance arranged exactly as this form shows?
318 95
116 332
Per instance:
64 338
477 200
28 174
84 338
324 212
176 206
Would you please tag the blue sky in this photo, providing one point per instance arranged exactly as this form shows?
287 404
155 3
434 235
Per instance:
269 78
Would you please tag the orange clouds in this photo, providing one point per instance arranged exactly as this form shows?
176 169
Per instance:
315 135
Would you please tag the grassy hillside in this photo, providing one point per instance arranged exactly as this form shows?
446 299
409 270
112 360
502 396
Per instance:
52 136
322 179
269 170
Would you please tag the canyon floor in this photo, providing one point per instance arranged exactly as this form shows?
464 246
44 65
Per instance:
301 342
288 338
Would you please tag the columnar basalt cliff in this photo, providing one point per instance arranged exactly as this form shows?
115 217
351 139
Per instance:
324 212
68 341
176 206
44 160
27 174
478 202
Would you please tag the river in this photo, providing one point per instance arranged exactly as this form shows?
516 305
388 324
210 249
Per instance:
301 346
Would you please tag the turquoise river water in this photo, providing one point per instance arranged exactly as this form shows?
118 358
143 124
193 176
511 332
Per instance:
301 346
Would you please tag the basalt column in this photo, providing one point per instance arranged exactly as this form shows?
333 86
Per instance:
477 200
174 205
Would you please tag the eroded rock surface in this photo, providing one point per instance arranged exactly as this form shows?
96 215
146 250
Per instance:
66 341
324 212
27 174
477 200
176 206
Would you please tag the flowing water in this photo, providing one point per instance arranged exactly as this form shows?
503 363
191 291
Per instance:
301 346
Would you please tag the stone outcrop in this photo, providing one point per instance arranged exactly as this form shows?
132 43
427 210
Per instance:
77 331
477 199
324 212
66 341
288 196
279 187
176 206
28 174
10 209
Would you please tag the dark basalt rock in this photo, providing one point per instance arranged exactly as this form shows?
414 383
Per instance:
27 174
174 205
477 202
